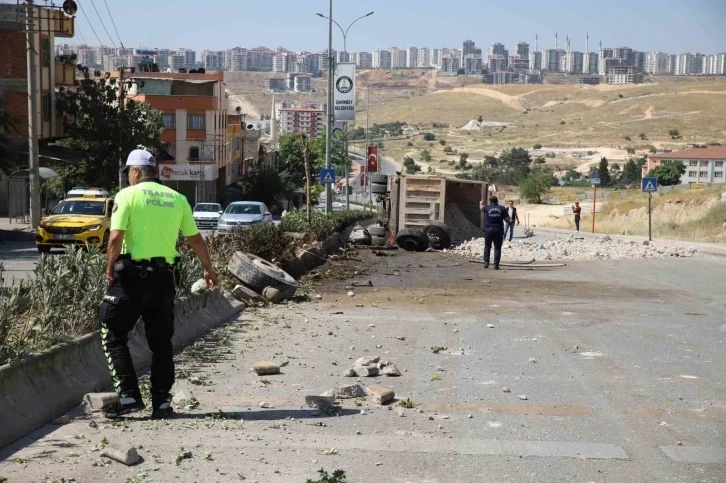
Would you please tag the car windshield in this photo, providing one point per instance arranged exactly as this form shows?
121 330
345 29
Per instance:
208 208
92 208
244 209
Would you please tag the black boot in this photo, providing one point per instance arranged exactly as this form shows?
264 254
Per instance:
124 406
161 407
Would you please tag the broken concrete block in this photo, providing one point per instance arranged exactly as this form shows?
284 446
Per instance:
122 452
271 294
320 402
266 368
350 392
349 373
391 371
380 395
181 396
366 371
367 361
249 296
99 400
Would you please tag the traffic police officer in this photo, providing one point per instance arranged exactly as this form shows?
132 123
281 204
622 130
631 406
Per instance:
495 216
145 224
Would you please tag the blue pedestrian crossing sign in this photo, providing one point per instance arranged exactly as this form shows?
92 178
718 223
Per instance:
327 176
650 185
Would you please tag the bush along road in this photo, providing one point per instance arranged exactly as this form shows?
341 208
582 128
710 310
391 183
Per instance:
421 366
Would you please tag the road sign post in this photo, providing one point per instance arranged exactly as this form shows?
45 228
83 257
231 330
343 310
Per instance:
650 186
595 181
327 176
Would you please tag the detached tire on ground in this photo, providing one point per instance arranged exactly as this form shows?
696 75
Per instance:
439 235
258 274
412 240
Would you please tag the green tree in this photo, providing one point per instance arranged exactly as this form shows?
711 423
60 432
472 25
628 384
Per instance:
674 134
429 136
537 146
442 142
410 166
425 155
668 174
463 158
630 150
643 136
631 173
604 172
105 126
536 184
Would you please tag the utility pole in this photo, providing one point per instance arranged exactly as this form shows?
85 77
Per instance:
121 71
33 96
331 111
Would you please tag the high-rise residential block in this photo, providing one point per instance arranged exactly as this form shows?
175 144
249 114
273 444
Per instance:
381 59
412 58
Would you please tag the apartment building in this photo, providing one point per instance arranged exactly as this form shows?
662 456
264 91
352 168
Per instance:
450 64
303 83
624 75
381 59
551 60
535 60
497 63
689 64
702 165
211 60
412 58
194 113
235 59
522 50
364 60
472 64
343 57
280 62
309 120
424 57
573 63
657 63
190 56
589 63
714 64
436 57
277 84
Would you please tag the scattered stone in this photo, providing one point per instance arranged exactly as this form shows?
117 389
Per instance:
401 414
249 296
368 360
471 416
350 392
366 371
379 464
199 286
351 294
265 405
181 396
266 368
99 400
646 243
320 402
506 389
349 373
380 395
490 326
420 410
431 418
532 360
272 294
692 250
391 371
318 297
523 397
122 452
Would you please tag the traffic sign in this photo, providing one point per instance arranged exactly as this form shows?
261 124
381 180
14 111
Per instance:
595 180
650 185
327 176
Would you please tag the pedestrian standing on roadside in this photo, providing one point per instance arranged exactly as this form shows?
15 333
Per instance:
141 275
509 227
576 209
495 216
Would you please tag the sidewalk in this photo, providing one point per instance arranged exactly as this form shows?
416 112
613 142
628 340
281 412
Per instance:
15 231
714 249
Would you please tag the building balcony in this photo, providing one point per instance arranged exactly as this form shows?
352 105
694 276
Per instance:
61 24
65 74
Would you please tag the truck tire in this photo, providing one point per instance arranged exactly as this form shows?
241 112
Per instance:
379 189
412 240
377 231
439 235
378 241
379 179
258 274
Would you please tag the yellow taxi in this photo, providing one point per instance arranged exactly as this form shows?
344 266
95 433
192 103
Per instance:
81 220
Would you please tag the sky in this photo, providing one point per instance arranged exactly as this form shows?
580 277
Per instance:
673 26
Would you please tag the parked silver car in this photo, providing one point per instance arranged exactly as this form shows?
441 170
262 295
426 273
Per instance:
242 214
206 215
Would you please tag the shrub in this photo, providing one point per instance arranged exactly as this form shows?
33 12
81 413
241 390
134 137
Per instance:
627 138
429 136
442 142
537 146
409 144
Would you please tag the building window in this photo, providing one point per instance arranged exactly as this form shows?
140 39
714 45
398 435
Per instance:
46 105
704 163
718 174
665 161
703 174
195 122
194 153
693 163
719 164
692 174
168 120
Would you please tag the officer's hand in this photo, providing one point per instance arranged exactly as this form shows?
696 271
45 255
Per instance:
212 279
109 279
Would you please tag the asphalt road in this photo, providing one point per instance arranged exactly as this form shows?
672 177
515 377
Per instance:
622 365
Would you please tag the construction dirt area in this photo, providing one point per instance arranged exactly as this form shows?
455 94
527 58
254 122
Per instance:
425 367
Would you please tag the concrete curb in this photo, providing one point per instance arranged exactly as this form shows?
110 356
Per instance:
44 386
703 248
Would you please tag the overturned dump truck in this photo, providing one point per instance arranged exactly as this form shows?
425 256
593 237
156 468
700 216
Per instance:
422 203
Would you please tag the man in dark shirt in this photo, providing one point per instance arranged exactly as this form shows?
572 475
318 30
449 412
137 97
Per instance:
495 216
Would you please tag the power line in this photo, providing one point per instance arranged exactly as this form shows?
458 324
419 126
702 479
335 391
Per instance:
114 25
93 4
90 24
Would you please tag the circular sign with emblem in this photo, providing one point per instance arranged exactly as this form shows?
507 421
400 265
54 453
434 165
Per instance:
344 85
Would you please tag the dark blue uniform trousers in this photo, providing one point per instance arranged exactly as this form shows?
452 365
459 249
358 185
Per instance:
493 236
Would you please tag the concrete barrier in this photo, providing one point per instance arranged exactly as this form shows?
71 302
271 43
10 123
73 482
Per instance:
43 386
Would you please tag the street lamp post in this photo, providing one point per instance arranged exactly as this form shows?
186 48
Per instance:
330 111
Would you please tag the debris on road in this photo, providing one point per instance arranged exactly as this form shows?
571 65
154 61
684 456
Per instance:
347 392
122 452
266 368
97 401
380 395
523 397
320 402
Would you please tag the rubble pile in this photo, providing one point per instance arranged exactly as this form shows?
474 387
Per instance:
545 247
462 228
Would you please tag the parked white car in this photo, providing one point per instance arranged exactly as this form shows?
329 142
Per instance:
206 215
243 214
